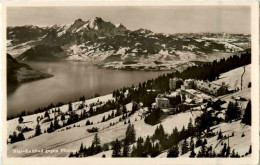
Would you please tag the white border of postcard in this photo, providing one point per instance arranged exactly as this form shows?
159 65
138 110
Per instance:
149 161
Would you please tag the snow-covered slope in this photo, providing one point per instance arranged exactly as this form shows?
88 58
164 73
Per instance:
233 77
72 138
68 139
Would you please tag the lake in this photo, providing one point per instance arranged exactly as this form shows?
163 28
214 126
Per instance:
71 80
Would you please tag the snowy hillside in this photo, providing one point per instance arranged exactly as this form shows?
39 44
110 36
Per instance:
233 77
66 140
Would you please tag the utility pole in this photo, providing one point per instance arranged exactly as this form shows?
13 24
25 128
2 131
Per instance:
242 77
228 141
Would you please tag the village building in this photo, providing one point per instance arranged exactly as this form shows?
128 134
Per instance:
188 84
207 87
195 95
211 88
162 102
175 83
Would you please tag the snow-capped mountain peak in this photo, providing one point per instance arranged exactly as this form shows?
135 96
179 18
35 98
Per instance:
121 27
94 23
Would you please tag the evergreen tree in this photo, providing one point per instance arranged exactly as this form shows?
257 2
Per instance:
249 85
220 136
14 137
124 109
155 150
103 119
184 147
62 117
20 120
233 111
250 149
202 151
116 149
139 147
51 128
56 123
205 121
183 133
205 141
223 151
159 133
38 130
70 107
113 114
227 152
81 149
191 143
88 122
20 137
154 117
96 144
125 150
130 134
247 115
199 141
192 153
174 137
118 111
46 114
233 154
183 97
190 128
134 108
96 140
148 145
173 151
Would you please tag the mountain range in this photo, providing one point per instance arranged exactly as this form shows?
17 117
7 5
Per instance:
114 46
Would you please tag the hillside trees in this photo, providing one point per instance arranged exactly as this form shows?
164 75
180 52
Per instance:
205 121
154 117
173 151
38 130
211 71
233 111
96 144
125 149
46 114
116 149
130 134
247 115
15 138
184 147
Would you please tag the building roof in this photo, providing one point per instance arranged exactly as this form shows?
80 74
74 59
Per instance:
163 98
197 93
207 85
176 78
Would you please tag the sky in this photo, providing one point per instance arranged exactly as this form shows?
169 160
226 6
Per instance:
159 19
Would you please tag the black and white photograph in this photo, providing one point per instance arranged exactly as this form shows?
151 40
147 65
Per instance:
130 81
